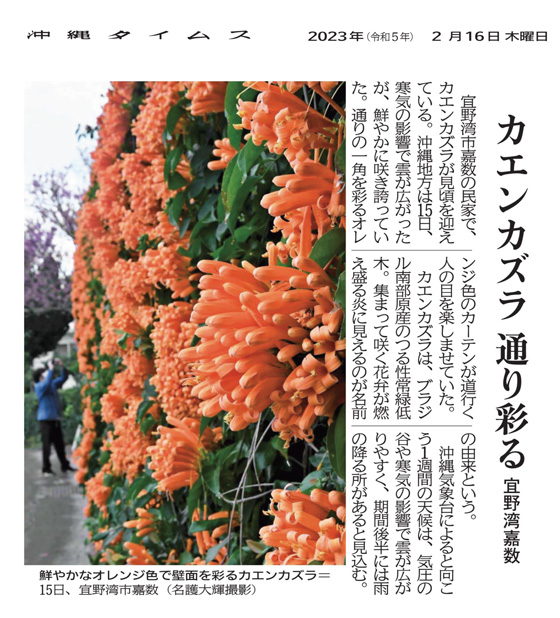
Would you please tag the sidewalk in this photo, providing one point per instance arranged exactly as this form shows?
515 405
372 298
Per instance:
54 532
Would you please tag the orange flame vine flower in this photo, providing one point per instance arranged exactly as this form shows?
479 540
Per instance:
145 524
310 197
172 332
285 122
303 530
225 153
129 448
258 321
206 97
96 492
177 454
205 540
166 266
139 554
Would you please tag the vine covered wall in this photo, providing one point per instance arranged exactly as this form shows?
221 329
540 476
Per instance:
209 301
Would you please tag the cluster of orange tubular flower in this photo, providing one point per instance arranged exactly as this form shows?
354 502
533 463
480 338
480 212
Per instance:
96 492
139 555
257 321
225 151
83 309
178 451
268 337
166 266
128 447
82 452
145 524
286 122
206 97
304 530
127 205
172 332
290 126
295 86
205 540
114 124
81 455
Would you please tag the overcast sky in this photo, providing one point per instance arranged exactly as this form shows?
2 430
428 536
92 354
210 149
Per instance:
53 111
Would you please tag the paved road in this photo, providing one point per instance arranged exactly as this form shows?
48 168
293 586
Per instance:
54 532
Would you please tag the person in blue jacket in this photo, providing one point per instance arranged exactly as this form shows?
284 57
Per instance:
49 414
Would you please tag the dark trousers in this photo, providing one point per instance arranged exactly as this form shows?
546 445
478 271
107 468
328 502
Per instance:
51 433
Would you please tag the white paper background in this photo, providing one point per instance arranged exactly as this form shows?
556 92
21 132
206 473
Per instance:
517 78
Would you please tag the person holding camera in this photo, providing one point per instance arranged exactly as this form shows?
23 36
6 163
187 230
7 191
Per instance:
49 414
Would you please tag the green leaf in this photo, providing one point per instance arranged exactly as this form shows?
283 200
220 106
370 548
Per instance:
340 157
144 481
241 234
231 166
330 244
210 178
100 535
149 389
175 208
195 245
186 558
165 512
147 424
172 160
235 185
227 251
315 563
122 340
210 474
213 551
193 498
321 458
206 213
227 455
184 227
336 443
222 227
204 422
200 157
265 456
196 187
104 458
234 89
208 524
314 480
142 409
176 181
239 200
221 211
113 533
107 480
114 558
248 156
172 119
278 444
340 299
208 236
256 546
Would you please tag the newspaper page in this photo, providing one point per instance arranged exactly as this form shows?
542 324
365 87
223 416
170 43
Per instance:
286 344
